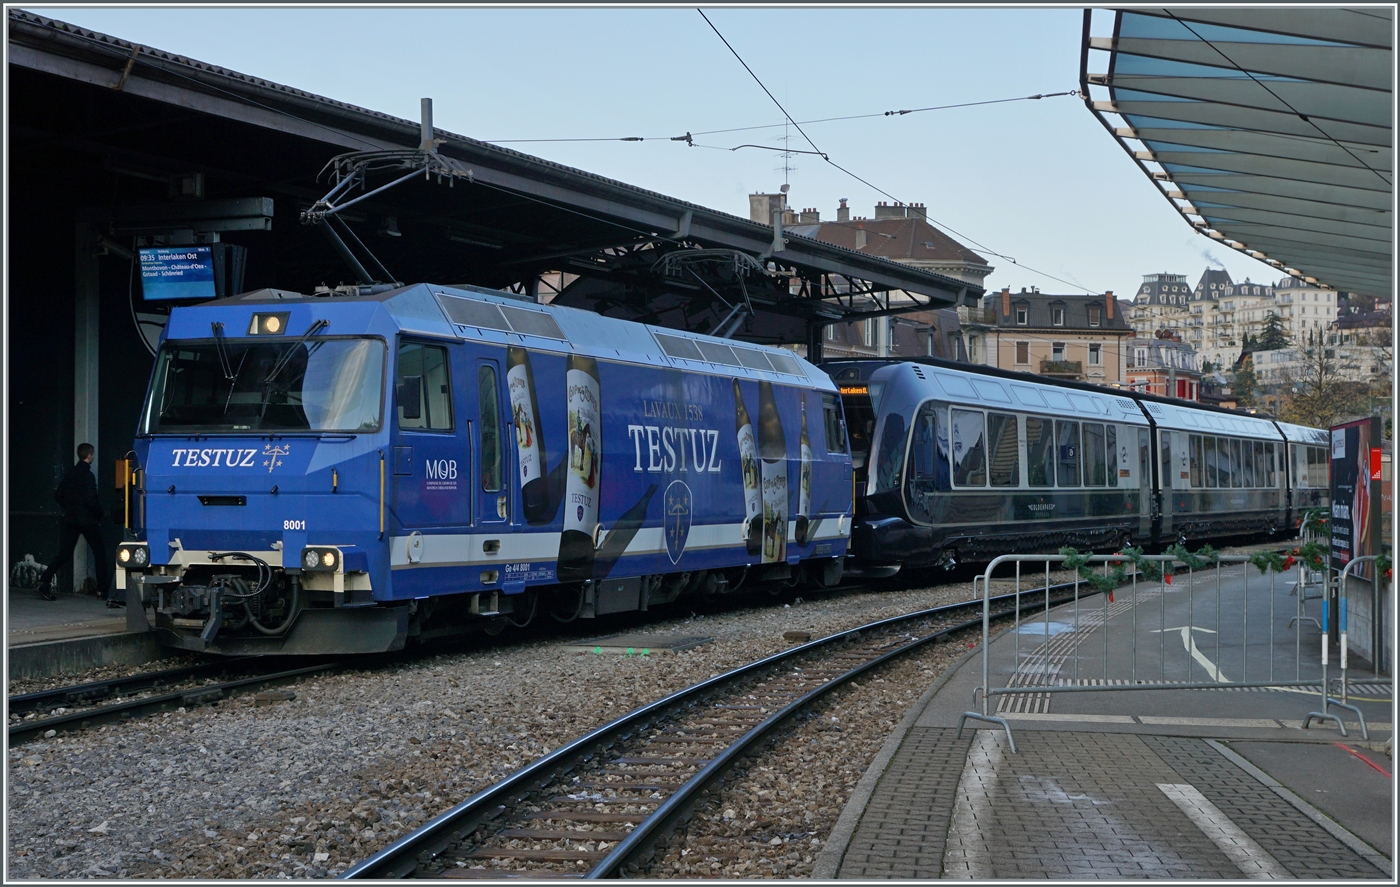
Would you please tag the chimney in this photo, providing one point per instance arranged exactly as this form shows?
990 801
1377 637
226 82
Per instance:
762 207
1108 302
843 212
918 211
1006 301
884 210
860 237
809 217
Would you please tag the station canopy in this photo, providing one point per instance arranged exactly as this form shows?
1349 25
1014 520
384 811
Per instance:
479 213
1268 128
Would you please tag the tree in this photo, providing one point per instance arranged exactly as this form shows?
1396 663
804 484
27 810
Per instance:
1273 337
1322 387
1244 384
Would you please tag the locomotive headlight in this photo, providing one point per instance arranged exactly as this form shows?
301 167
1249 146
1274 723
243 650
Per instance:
133 556
320 558
269 324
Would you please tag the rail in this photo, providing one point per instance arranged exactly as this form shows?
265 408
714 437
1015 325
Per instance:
422 848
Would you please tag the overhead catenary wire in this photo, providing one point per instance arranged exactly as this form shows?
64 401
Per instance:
709 132
868 184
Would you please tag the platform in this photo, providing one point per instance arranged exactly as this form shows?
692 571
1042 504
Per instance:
1219 784
70 634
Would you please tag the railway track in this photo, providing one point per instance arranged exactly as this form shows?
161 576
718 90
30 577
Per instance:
265 673
595 807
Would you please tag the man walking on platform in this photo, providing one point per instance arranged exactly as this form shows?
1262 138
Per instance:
76 495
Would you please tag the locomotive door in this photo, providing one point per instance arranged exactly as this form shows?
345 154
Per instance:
430 457
492 475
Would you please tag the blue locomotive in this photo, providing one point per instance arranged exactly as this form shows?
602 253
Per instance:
341 473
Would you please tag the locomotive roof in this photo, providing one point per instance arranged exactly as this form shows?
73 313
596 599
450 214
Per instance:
464 312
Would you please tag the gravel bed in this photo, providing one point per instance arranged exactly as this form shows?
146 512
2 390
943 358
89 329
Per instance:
305 788
771 815
21 686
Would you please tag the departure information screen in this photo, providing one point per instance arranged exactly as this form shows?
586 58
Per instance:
177 272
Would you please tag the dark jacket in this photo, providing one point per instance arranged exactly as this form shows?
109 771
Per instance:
77 496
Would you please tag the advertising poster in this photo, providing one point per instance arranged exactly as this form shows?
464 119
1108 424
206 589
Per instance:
1356 525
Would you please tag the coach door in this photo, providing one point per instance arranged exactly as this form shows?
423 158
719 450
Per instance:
428 455
492 477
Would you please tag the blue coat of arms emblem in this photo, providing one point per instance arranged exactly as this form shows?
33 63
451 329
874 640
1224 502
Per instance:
677 519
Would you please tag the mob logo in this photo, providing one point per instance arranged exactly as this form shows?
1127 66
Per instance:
676 519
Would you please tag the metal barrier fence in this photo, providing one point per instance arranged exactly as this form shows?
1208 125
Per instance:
1338 588
1142 609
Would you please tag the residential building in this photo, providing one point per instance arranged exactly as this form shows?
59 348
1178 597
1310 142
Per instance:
1083 338
900 233
1164 365
1218 316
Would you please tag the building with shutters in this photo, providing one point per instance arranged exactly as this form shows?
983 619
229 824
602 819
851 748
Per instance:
1082 338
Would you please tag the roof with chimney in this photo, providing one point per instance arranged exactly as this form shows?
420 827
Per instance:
1212 285
898 232
1040 311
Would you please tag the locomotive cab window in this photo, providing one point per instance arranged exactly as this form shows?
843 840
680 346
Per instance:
832 424
423 388
261 385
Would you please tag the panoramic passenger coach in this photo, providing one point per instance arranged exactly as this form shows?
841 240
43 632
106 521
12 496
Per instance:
338 473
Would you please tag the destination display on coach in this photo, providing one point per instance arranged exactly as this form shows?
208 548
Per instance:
177 272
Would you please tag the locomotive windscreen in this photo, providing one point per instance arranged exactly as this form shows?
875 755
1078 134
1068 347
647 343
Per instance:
237 386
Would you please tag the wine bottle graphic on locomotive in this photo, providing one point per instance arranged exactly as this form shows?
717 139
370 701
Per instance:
772 451
748 468
804 484
581 485
529 446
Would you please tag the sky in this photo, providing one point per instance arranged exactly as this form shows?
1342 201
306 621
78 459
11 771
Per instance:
1041 182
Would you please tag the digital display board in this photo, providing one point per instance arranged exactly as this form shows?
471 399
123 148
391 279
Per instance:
177 272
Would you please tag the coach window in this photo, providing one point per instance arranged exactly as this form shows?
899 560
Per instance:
1005 469
1095 468
1067 454
1236 464
490 429
1196 449
1212 464
969 449
1317 468
423 389
1040 452
1301 477
889 456
1247 454
1222 461
1271 465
